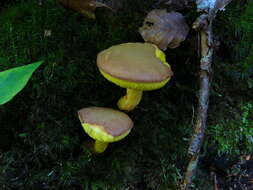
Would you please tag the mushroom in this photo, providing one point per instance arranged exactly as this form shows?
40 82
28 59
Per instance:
135 66
104 125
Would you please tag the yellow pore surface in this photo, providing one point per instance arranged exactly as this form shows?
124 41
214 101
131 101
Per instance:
97 133
134 85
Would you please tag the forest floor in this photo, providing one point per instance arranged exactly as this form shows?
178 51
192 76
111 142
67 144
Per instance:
41 138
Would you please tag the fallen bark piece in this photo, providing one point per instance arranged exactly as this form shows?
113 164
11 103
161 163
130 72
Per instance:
164 29
87 7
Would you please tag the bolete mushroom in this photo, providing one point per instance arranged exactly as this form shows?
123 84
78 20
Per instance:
104 125
135 66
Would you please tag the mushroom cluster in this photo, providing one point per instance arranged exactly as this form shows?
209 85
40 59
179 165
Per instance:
137 67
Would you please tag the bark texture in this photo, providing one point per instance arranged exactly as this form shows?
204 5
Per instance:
204 27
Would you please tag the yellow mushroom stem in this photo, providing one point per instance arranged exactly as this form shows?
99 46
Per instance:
99 146
130 100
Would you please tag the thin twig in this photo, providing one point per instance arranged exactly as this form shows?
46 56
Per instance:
204 91
215 182
204 25
205 31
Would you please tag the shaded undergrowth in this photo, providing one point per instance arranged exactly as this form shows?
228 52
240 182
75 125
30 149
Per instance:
40 131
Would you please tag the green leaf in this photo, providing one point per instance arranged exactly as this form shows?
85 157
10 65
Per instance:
12 81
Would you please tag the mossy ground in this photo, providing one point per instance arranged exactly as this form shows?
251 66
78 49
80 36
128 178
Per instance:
40 131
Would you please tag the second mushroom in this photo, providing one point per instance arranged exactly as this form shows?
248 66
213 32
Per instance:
104 125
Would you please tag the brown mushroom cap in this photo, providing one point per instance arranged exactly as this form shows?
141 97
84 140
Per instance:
111 121
134 62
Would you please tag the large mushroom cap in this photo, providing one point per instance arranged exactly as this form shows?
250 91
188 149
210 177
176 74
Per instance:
105 124
134 62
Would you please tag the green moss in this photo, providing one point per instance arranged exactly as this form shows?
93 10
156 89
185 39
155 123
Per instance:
232 90
236 40
47 148
46 145
232 136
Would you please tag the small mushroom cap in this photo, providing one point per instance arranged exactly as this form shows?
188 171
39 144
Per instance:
105 124
134 62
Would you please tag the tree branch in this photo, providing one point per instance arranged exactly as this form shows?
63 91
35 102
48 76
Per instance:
204 26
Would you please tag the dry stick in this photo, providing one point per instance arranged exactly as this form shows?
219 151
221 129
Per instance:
205 31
